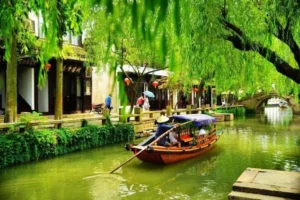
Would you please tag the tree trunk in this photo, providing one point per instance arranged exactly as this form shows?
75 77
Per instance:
11 82
135 93
240 42
59 89
59 69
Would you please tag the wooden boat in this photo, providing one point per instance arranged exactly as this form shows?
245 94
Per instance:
192 144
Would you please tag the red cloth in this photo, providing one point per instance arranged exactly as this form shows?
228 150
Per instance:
140 101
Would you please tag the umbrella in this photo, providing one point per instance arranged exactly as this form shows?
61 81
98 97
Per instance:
149 94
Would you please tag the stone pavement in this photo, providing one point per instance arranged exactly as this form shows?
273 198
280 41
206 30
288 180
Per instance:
266 185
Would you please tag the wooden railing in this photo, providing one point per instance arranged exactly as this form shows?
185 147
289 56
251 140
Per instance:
50 122
138 116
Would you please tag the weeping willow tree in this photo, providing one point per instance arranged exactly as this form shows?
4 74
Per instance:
116 41
61 17
238 44
243 44
16 34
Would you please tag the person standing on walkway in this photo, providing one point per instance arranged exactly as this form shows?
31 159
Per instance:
108 103
146 104
223 103
140 101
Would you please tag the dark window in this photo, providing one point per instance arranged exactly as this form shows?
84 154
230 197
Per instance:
32 25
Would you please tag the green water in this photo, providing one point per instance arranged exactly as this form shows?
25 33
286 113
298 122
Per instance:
266 141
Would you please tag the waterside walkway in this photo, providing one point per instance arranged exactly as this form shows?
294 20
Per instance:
142 121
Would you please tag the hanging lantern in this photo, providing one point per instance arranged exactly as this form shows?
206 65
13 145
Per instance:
195 89
47 66
127 81
155 84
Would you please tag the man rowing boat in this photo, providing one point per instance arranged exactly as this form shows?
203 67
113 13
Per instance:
162 127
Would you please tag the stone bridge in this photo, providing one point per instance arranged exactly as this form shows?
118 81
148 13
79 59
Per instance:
257 101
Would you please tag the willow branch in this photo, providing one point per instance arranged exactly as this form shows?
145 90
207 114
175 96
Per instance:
240 42
133 67
142 73
286 36
124 59
155 70
121 67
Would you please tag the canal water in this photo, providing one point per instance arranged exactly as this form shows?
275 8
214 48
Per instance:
266 141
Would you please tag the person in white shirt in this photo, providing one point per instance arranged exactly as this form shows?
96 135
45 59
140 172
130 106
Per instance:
146 104
223 103
172 137
202 132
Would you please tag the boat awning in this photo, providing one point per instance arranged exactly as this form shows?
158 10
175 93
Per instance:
198 119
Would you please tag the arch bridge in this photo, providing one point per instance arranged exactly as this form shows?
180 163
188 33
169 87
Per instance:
257 101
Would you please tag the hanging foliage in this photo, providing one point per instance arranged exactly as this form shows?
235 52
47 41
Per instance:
218 40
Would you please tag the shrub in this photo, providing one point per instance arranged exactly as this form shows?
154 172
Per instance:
298 141
206 112
237 112
38 144
27 117
84 123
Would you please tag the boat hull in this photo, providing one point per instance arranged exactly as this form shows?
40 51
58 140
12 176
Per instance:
166 155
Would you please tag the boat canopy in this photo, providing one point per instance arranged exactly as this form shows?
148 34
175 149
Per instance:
198 119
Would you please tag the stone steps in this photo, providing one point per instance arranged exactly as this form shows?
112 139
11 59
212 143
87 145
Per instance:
249 196
219 117
266 184
263 189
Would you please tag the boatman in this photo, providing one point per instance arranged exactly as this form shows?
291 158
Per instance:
162 127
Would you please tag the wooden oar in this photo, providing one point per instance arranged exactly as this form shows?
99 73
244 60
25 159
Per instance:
165 133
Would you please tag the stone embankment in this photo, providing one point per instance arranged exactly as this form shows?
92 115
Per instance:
262 184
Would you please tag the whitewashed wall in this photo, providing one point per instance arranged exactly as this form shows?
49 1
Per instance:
26 85
102 86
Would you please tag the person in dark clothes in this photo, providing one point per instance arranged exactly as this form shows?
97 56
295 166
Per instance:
162 127
108 103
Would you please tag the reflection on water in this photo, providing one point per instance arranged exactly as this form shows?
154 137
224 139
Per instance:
84 175
277 115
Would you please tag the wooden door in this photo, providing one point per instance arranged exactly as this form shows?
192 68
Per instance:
87 94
